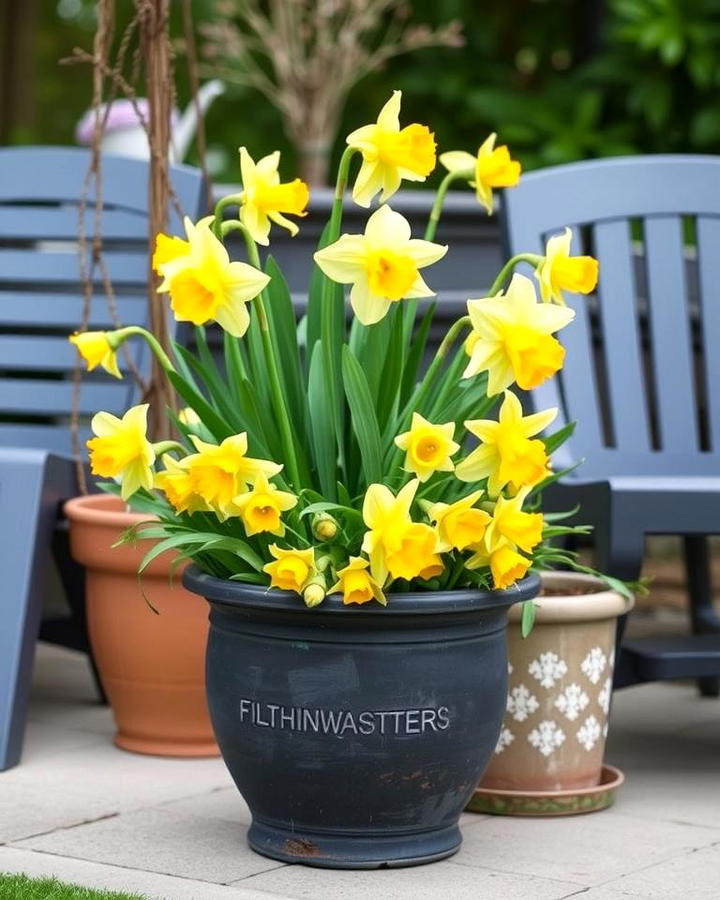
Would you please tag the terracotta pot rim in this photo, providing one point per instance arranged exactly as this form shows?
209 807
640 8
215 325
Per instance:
102 509
598 602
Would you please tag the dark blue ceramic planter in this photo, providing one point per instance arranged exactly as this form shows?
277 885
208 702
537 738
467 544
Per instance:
356 734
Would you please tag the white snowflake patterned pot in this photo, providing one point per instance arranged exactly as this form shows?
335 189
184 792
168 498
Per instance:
559 686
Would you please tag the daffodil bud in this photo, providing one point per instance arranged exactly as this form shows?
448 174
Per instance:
324 527
314 594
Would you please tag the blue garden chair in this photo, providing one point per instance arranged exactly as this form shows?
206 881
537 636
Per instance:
40 304
642 373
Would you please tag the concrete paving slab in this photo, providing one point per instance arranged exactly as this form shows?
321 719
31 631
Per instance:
587 850
91 782
155 887
437 881
162 841
693 875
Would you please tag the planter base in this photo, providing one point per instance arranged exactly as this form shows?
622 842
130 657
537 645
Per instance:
347 851
166 748
549 803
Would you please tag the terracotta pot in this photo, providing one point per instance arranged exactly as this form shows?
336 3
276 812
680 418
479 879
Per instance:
559 688
152 666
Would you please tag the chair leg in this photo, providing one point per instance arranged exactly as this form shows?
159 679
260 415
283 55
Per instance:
703 618
620 553
72 576
30 485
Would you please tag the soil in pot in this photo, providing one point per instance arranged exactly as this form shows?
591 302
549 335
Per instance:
152 666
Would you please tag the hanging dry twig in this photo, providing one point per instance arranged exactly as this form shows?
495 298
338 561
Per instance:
304 56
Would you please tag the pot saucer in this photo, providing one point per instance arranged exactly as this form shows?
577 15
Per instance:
549 803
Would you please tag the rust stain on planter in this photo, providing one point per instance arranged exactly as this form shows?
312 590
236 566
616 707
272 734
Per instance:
300 847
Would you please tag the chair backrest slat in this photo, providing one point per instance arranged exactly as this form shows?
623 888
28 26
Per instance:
670 333
648 342
41 294
707 231
616 294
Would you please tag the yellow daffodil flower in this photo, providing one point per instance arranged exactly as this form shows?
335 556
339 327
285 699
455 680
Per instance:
510 524
395 544
121 450
491 168
96 350
506 455
427 447
169 248
506 565
292 569
512 337
416 555
356 584
264 199
459 524
203 284
177 483
560 272
222 472
390 153
261 508
382 264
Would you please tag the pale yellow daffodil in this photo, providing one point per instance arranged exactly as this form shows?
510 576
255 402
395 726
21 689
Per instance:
292 570
510 524
203 284
96 350
512 337
382 264
220 473
264 199
261 508
506 455
356 584
427 447
395 544
460 524
560 272
491 168
121 450
390 154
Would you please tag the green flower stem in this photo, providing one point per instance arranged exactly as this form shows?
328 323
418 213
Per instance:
116 338
286 433
330 351
166 446
437 206
533 258
230 200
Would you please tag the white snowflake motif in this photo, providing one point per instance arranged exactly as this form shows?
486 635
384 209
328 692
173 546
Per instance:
547 668
604 696
521 703
589 732
546 737
506 738
572 701
594 664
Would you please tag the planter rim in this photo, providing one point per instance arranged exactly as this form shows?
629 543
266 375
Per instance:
598 601
101 509
240 595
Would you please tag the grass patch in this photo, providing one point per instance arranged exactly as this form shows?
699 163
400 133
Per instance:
20 887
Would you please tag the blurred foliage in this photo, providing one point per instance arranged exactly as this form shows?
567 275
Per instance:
558 79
